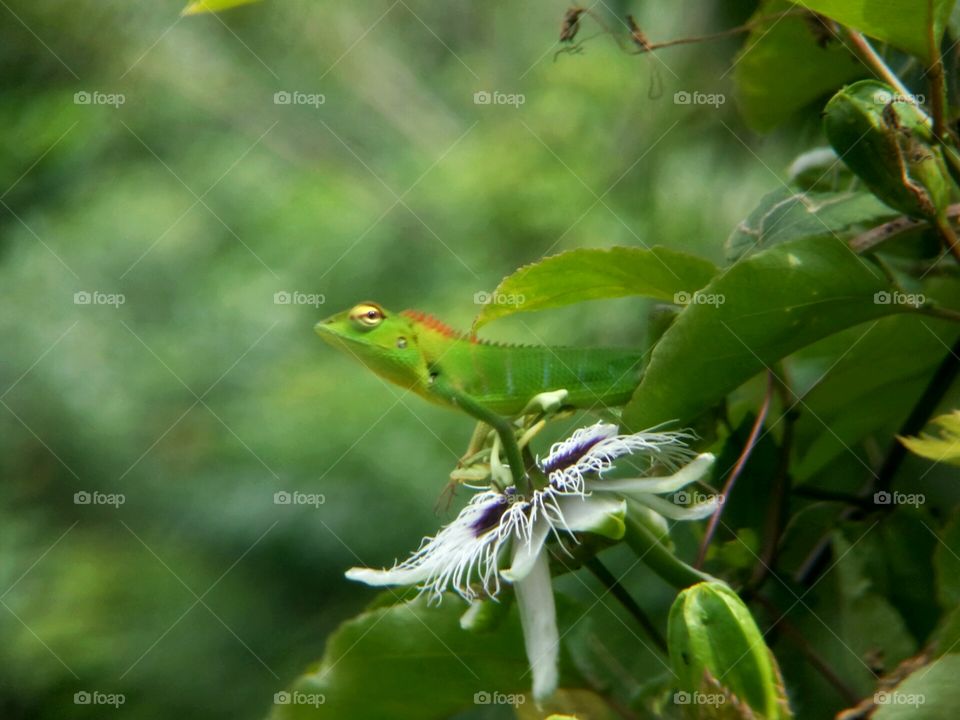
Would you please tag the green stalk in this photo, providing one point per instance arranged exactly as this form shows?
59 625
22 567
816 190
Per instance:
658 558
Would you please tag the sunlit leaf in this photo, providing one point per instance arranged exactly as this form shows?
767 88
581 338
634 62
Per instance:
199 7
592 274
902 24
943 447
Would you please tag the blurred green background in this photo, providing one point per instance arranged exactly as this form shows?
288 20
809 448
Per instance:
199 198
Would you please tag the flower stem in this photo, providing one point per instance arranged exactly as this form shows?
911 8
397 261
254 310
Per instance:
658 558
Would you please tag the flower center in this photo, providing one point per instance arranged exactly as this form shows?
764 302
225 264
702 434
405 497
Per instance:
491 515
569 456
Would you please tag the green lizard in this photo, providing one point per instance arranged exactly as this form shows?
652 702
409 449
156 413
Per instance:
492 382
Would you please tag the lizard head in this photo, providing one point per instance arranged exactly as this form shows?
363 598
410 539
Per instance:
383 341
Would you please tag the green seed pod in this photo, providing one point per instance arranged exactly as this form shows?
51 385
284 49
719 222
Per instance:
723 666
887 141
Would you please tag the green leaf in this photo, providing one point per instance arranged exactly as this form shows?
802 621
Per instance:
407 660
946 563
786 214
844 404
934 689
865 620
592 274
944 447
902 24
199 7
781 68
764 308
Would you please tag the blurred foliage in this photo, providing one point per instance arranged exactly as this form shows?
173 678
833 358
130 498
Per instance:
169 183
198 198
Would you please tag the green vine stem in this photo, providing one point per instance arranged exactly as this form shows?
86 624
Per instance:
862 48
658 557
938 92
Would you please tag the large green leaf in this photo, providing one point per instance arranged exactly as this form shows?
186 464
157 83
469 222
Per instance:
867 620
209 6
930 693
765 307
407 660
781 68
787 214
843 403
902 23
592 274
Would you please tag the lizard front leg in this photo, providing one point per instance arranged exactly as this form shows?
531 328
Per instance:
501 425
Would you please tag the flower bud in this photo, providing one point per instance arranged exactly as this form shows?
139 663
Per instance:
717 652
886 139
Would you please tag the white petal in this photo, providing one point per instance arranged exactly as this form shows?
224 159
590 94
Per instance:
678 512
600 515
526 552
655 522
469 619
691 472
669 447
456 558
396 576
538 615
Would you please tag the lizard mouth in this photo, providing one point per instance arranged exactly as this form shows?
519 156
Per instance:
328 332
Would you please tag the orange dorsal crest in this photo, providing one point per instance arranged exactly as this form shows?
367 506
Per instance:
435 324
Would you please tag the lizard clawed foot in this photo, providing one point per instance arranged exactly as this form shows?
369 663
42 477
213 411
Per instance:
546 402
445 499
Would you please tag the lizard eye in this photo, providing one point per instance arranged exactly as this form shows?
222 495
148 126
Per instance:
367 315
